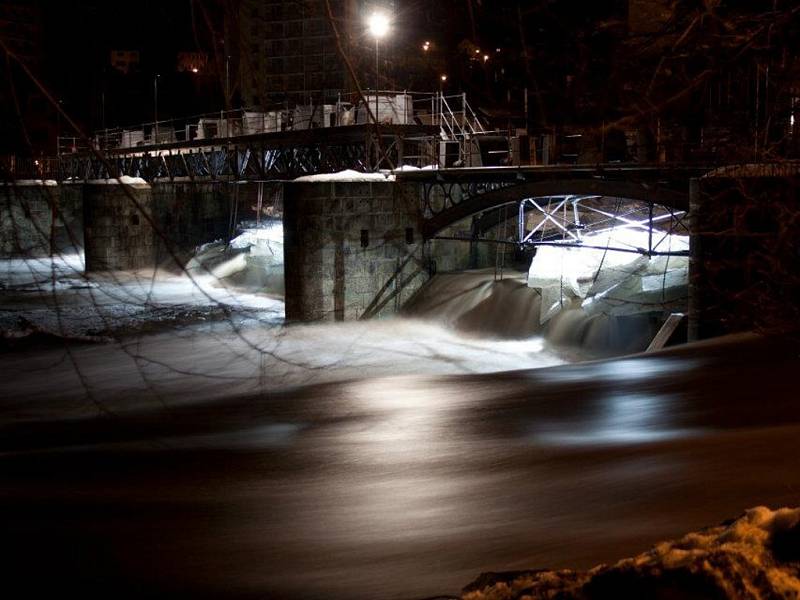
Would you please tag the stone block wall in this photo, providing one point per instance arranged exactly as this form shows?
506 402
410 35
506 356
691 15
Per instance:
26 219
38 218
69 220
117 235
351 249
190 214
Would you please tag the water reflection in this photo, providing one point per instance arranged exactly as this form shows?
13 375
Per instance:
621 419
623 370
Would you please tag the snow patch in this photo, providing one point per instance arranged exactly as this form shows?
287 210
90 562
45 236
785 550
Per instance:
31 182
347 175
125 180
755 556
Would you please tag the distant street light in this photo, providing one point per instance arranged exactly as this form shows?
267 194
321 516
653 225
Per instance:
155 106
378 24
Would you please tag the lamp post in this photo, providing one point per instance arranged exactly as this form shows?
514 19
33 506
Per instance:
442 81
378 24
155 106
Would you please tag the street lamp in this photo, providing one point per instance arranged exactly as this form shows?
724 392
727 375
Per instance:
442 80
155 105
378 24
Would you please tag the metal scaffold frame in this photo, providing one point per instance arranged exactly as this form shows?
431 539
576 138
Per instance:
567 219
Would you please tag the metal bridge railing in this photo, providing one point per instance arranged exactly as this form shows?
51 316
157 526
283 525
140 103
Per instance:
16 168
452 114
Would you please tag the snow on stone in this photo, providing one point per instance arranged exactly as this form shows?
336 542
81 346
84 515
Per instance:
347 175
412 168
32 182
756 556
125 180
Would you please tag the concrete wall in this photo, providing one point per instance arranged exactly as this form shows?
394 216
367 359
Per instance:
346 250
117 234
745 265
38 219
190 214
456 255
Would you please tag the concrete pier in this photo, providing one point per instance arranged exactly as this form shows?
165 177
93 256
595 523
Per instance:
352 249
117 233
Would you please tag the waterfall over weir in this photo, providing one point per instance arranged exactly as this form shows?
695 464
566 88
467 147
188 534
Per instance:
481 303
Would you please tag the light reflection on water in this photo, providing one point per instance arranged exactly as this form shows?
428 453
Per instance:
623 370
633 418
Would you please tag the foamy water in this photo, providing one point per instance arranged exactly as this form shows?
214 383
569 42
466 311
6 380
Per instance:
480 303
180 339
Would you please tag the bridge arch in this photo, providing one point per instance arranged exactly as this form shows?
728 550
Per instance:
445 207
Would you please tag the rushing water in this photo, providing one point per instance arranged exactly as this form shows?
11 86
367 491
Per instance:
229 455
483 304
399 487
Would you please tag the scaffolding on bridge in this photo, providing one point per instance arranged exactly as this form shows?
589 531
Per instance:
578 221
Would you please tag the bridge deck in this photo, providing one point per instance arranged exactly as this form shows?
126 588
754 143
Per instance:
264 156
627 171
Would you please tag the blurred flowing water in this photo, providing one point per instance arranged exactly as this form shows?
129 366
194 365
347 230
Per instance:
238 457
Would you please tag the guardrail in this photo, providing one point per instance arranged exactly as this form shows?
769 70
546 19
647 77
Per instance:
15 168
452 114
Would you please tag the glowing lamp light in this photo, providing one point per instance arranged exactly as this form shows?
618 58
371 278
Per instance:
444 77
485 57
426 46
378 24
195 70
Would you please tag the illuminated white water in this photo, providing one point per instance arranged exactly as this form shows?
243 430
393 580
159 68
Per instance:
478 303
609 281
220 331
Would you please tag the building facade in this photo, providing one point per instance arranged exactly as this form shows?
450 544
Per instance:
288 51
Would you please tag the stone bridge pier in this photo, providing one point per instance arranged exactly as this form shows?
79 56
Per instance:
352 249
117 233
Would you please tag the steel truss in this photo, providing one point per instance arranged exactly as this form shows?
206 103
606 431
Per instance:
567 220
258 158
449 196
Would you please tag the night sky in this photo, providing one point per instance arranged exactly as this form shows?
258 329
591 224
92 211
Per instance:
79 37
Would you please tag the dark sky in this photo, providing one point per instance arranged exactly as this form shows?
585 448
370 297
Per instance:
79 35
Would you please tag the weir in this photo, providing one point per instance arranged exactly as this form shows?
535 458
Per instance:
361 245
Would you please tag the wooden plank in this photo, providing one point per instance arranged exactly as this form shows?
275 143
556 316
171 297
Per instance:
666 331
